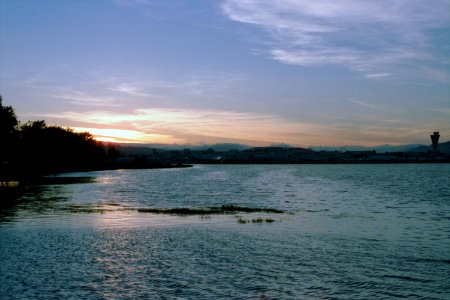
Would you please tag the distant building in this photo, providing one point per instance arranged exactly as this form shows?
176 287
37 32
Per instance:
435 139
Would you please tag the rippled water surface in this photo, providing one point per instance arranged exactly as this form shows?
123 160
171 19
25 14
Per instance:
347 232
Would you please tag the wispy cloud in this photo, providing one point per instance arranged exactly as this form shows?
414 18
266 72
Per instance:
196 125
178 125
362 35
84 99
316 57
130 89
377 75
90 90
365 104
434 74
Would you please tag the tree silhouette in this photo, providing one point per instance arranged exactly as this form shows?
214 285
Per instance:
111 153
45 149
8 119
34 148
8 133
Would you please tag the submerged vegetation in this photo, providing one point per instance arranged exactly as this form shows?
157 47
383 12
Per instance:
223 210
258 220
180 211
203 212
29 196
243 215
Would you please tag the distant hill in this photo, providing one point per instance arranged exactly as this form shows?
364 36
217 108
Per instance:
216 147
379 149
221 147
443 147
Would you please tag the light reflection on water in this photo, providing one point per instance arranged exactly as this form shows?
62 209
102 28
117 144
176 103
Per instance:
353 232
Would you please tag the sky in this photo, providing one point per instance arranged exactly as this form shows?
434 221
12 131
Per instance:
255 72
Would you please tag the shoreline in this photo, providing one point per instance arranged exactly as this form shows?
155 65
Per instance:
13 180
28 175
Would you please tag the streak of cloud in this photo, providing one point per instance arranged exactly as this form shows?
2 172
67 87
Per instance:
365 104
198 125
377 75
130 89
177 125
83 99
360 35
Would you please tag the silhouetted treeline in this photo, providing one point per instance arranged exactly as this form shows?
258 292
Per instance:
35 148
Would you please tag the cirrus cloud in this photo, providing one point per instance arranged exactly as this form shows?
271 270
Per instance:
367 36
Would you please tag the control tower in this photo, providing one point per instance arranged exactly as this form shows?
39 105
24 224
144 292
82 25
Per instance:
435 139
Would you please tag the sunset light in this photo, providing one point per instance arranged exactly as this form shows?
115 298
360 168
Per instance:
302 73
224 149
125 136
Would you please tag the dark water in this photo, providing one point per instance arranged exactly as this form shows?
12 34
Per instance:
349 232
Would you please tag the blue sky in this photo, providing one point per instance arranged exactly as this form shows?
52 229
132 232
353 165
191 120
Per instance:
256 72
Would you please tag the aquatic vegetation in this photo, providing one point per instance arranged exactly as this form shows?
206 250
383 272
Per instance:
258 220
242 221
232 208
181 211
88 209
222 210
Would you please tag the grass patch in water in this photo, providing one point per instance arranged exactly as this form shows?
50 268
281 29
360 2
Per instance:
232 208
88 209
176 211
259 220
242 221
262 220
222 210
181 211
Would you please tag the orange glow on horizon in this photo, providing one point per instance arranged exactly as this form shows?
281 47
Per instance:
125 135
190 126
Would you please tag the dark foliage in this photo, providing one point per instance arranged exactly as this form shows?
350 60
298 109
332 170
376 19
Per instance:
34 148
55 149
8 134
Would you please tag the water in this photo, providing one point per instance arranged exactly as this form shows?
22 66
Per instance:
349 232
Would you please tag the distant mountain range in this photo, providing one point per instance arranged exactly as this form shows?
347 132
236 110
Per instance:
443 147
216 147
383 148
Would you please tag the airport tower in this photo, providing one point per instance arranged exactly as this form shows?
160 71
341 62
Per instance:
435 139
